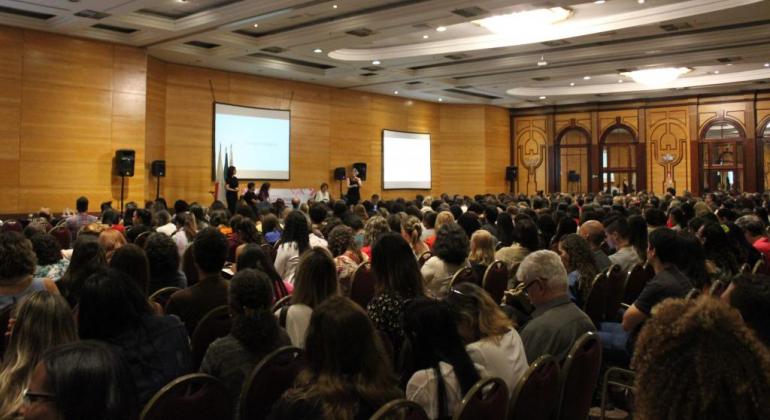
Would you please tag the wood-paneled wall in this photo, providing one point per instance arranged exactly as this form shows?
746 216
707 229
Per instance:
66 105
668 132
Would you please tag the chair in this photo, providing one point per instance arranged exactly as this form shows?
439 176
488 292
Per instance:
11 226
269 250
425 256
400 409
62 235
215 324
616 282
463 275
717 288
190 397
495 280
188 266
625 381
487 399
162 296
534 396
5 318
268 381
142 238
362 284
637 278
579 377
596 300
284 301
745 268
759 267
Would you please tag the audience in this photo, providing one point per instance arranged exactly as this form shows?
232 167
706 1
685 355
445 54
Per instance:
50 262
347 376
581 267
556 322
295 240
347 255
442 218
17 269
750 295
163 257
482 252
253 335
411 230
110 240
82 218
252 256
450 255
695 359
316 281
593 232
374 228
619 238
527 241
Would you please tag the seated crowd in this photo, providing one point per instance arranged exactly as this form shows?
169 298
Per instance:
100 311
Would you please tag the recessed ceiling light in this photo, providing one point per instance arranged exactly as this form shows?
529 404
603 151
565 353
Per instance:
395 92
524 23
441 29
586 77
334 6
542 61
599 2
572 84
440 99
767 64
256 25
181 1
729 64
376 62
716 71
318 51
640 1
657 77
620 80
543 97
425 37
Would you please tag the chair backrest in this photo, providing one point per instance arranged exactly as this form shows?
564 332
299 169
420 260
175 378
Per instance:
362 284
616 282
745 269
487 399
269 250
400 409
62 235
195 396
535 395
495 280
215 324
284 301
580 377
142 238
596 301
425 256
759 267
162 296
5 318
11 226
717 288
637 278
268 381
463 275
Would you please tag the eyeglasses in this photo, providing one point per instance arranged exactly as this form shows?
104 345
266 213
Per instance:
527 286
35 397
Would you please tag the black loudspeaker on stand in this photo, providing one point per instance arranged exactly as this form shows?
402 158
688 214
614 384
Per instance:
158 169
124 163
339 175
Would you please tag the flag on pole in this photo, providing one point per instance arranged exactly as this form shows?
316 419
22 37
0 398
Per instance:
219 189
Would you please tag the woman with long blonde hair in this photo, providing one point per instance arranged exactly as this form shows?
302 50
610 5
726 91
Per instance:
482 253
443 218
41 321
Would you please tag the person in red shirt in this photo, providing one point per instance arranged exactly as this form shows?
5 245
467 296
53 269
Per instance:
754 230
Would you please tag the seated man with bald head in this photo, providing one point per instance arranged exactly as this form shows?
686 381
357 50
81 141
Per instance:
593 232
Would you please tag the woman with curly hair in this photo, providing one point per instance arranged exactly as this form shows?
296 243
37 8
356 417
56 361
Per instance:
347 255
451 254
411 230
579 261
696 359
374 228
50 263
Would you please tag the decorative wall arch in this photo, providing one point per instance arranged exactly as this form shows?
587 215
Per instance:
763 153
719 173
572 159
621 160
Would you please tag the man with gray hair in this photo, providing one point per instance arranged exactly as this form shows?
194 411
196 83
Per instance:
754 231
556 322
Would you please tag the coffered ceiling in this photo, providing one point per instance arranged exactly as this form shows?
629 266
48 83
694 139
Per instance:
545 53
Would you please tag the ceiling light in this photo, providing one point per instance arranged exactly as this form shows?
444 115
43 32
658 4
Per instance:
334 6
440 99
729 64
572 84
518 24
376 62
599 2
716 71
425 37
395 92
256 25
542 61
620 80
318 51
767 64
181 1
657 77
586 77
640 1
441 29
543 97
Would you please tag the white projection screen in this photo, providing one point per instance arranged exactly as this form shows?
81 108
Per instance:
254 140
405 160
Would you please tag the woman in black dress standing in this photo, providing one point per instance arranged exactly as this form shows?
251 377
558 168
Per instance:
231 189
354 188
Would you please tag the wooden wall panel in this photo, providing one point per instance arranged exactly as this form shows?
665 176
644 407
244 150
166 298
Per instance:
462 148
668 138
155 123
11 50
497 148
531 138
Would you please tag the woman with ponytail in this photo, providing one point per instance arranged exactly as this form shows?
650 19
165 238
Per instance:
254 333
411 230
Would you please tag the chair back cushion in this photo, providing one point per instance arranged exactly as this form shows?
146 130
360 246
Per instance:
191 397
162 296
425 256
268 381
535 396
463 275
400 409
496 280
487 399
616 282
597 297
579 377
637 279
215 324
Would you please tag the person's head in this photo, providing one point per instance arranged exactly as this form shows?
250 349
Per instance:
411 229
443 218
318 213
295 202
576 255
482 247
752 226
81 204
525 233
270 223
316 278
143 217
324 187
342 239
230 172
210 251
252 256
676 217
87 258
543 276
111 304
162 254
655 217
618 232
374 228
490 214
345 361
17 258
505 231
42 320
81 381
431 331
264 188
111 240
479 317
395 268
110 217
593 232
250 299
691 260
750 295
161 217
250 186
696 359
132 260
451 244
296 229
46 248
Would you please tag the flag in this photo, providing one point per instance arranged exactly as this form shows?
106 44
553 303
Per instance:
219 189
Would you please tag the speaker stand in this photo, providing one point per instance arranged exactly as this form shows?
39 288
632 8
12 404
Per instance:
157 188
340 189
122 188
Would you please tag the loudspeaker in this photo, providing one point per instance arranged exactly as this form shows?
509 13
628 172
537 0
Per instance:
573 176
361 168
158 168
511 173
124 162
339 174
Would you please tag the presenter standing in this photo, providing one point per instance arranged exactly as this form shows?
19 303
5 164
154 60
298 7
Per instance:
231 189
354 188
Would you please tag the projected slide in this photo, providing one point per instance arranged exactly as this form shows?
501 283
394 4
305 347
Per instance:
255 140
405 160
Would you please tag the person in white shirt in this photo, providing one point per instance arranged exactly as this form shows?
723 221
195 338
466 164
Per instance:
440 371
315 281
162 219
322 195
451 254
295 240
619 238
492 340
